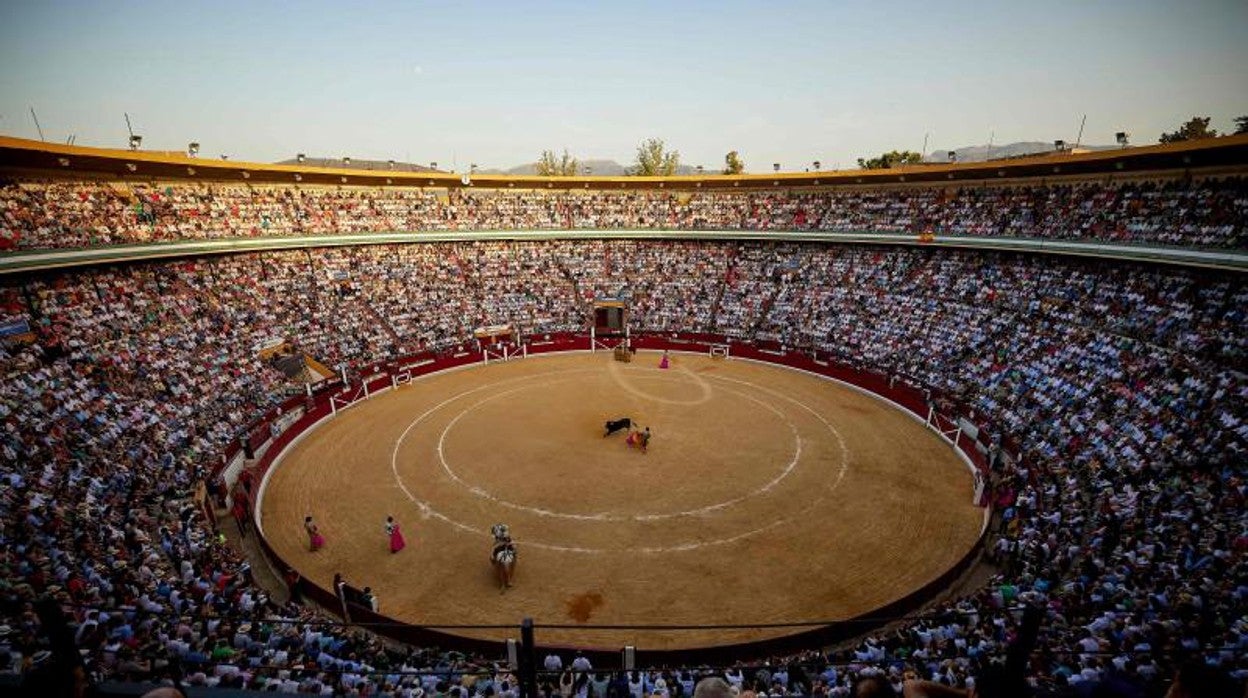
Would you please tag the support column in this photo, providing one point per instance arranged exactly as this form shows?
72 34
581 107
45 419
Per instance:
528 660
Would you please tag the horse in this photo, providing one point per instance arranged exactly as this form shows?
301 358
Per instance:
503 556
614 425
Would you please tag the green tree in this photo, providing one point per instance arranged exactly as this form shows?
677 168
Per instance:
1196 128
891 159
563 166
1241 124
733 164
655 160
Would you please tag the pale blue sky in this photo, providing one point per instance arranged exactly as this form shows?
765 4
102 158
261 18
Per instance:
497 82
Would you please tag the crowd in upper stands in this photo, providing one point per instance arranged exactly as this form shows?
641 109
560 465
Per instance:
1118 393
53 214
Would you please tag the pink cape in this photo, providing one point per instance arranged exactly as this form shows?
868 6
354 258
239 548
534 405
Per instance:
396 539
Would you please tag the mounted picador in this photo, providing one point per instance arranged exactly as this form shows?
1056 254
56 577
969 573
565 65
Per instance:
503 556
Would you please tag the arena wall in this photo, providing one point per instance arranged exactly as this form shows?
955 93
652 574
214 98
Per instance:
45 260
52 159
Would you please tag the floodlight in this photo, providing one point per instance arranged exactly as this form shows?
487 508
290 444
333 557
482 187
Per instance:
135 142
192 149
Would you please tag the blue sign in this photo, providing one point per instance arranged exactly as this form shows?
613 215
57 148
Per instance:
12 328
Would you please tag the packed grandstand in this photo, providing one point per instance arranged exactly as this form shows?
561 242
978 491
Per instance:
1118 389
45 214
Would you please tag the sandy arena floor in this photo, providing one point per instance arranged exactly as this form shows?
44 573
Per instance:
768 495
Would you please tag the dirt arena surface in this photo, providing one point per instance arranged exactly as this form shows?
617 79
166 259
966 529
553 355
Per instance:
767 495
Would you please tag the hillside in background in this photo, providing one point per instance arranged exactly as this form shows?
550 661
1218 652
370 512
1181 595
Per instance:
969 153
358 164
980 153
611 168
604 168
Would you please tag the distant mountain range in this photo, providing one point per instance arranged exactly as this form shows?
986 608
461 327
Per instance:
357 164
611 168
981 153
969 153
602 168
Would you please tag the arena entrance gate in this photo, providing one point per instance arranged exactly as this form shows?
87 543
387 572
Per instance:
609 330
500 343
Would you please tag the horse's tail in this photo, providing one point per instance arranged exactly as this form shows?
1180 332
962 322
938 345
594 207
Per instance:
505 556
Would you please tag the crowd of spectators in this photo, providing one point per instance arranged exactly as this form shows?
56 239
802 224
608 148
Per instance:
1198 213
1118 393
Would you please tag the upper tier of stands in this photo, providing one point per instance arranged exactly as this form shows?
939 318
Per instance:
44 214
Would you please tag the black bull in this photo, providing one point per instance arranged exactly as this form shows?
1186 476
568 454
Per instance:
614 425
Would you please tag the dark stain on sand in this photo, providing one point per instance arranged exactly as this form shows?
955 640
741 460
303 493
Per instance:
582 606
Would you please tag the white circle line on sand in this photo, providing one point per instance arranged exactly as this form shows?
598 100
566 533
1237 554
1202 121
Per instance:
617 375
840 440
606 516
429 512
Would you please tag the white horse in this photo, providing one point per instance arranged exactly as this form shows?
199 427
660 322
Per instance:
503 556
